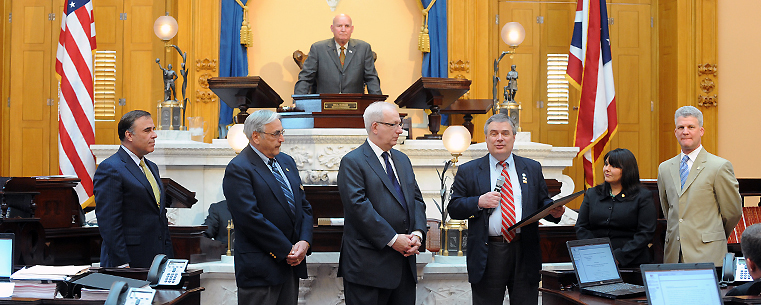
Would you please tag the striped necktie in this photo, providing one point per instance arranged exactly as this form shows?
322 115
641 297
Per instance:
507 205
152 182
684 170
284 186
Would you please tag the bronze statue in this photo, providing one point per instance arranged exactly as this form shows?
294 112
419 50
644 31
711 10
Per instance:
512 84
170 92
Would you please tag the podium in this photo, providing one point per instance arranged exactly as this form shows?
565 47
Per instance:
435 94
328 110
244 92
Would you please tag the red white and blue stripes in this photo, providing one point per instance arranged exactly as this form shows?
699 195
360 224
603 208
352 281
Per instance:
76 114
590 69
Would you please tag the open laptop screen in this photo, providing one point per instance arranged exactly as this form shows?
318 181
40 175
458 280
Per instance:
594 262
681 286
6 254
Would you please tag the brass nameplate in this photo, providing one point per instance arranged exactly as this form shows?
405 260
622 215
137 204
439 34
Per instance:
339 106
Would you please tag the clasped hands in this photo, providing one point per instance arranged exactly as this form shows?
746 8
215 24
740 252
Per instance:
298 253
407 244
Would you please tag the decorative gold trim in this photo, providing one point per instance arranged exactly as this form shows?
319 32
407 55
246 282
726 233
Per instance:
459 66
707 69
206 64
203 80
707 85
708 101
206 97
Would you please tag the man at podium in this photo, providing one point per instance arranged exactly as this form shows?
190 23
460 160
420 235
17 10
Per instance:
340 64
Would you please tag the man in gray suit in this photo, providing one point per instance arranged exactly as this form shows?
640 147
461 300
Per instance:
339 64
699 194
384 215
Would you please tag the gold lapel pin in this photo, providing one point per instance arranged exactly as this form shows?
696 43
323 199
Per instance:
286 169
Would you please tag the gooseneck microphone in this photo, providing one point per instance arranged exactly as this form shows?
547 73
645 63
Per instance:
497 188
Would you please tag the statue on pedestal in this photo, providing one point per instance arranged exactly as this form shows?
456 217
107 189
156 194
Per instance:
170 93
512 85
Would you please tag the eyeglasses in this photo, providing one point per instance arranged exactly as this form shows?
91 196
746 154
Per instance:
276 133
392 125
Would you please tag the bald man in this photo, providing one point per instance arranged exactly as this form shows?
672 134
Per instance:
339 64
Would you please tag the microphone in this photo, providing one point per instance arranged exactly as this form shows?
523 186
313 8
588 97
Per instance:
497 188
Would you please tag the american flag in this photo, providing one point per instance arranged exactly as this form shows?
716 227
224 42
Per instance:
590 69
76 116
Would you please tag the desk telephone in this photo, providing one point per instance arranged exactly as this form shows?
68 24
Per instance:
166 272
121 294
734 269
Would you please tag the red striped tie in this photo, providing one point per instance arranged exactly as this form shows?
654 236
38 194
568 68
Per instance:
507 205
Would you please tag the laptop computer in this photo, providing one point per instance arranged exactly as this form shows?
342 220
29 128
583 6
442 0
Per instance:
7 246
596 269
686 283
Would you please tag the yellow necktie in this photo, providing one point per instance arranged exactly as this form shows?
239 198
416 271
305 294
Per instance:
342 57
152 181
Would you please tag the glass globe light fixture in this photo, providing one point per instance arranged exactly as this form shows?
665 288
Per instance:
165 27
236 138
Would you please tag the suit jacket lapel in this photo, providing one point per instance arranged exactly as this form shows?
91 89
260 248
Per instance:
350 47
264 171
521 171
374 163
137 172
697 166
333 54
483 178
294 180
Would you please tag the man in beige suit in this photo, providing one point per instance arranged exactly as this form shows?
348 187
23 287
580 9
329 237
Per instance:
699 196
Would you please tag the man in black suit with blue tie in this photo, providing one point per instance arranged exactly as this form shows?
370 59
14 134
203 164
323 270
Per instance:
384 215
272 218
129 198
499 259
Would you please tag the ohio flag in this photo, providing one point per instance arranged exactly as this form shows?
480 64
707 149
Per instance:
590 70
76 114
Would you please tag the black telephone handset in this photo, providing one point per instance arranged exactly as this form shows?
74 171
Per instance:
734 269
118 293
121 294
166 272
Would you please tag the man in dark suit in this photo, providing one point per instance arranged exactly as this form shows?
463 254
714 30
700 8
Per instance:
339 64
272 218
129 198
384 215
499 259
750 242
216 222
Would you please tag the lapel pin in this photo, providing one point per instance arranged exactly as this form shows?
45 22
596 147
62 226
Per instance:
525 180
350 51
286 169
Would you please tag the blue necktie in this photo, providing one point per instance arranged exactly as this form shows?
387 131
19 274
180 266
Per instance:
390 172
284 186
684 170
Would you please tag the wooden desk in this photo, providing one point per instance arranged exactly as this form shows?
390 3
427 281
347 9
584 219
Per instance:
558 297
162 297
559 288
556 286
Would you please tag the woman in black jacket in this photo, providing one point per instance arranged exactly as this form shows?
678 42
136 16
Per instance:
621 209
